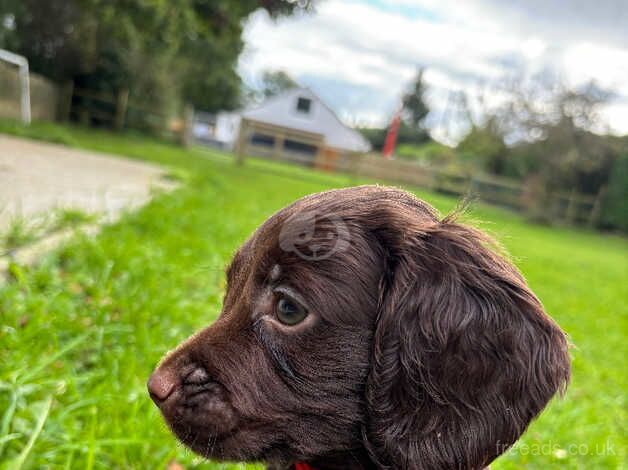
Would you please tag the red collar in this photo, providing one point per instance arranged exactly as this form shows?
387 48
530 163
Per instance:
302 466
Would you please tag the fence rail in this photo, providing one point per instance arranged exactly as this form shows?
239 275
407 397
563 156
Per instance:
111 108
559 206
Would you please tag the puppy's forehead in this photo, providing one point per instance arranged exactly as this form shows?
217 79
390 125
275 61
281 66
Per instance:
347 214
337 215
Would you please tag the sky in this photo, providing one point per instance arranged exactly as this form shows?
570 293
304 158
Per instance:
360 56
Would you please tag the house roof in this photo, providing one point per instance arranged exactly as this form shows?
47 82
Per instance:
281 110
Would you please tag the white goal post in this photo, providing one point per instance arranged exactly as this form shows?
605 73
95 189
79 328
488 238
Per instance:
25 94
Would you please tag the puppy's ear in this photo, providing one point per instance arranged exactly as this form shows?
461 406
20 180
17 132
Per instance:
464 356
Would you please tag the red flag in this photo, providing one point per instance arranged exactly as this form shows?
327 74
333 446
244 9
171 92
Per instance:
391 136
302 466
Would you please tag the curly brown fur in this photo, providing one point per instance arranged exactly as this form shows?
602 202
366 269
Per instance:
422 348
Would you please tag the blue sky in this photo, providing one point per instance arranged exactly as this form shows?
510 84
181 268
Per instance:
406 9
359 56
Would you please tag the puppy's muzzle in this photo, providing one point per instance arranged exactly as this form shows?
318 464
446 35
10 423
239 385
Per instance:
166 380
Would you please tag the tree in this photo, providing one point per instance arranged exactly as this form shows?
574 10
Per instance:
275 82
56 36
485 145
554 125
615 208
412 128
163 52
414 105
375 135
406 135
211 49
553 146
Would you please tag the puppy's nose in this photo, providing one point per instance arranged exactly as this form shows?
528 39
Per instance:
161 384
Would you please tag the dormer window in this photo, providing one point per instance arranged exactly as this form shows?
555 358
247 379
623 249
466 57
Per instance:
304 105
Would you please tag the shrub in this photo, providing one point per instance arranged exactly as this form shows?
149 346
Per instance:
615 206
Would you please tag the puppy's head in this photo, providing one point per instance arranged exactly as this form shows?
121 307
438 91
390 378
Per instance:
356 323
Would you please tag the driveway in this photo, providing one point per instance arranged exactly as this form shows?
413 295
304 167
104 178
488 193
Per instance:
37 177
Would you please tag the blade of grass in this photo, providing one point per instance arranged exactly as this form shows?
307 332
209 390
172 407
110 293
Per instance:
31 442
42 365
91 453
6 420
9 437
68 462
104 443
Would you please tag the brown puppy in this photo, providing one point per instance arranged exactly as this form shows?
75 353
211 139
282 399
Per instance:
361 331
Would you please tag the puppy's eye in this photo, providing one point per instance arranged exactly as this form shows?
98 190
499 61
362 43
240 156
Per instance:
289 312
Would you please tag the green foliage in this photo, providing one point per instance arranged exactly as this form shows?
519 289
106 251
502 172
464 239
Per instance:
23 231
432 153
375 135
39 130
485 145
275 82
572 156
553 149
411 128
20 232
414 106
412 135
565 154
57 37
70 217
615 205
87 326
406 135
164 53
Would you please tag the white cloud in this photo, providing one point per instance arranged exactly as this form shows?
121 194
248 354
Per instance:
359 56
607 65
616 117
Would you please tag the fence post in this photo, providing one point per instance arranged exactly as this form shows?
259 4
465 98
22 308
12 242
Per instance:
473 190
594 216
84 117
570 213
240 142
65 101
121 104
25 98
187 133
279 146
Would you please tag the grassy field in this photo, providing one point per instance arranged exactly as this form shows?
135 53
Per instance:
80 333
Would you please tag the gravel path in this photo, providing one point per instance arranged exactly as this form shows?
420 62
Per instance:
37 177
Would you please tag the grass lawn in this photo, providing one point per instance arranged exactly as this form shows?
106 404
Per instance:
80 333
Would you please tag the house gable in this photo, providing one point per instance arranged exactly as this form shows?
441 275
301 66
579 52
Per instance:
300 109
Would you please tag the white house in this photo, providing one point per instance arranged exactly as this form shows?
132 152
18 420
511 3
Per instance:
295 124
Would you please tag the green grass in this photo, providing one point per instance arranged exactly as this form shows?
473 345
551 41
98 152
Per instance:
23 231
69 217
80 333
20 232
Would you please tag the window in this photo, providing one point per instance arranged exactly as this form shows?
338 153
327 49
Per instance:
299 147
304 105
263 140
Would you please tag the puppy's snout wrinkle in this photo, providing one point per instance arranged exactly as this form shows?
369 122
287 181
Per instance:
198 376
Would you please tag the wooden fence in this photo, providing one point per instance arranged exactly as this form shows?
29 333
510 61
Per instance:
568 207
557 206
118 111
50 102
